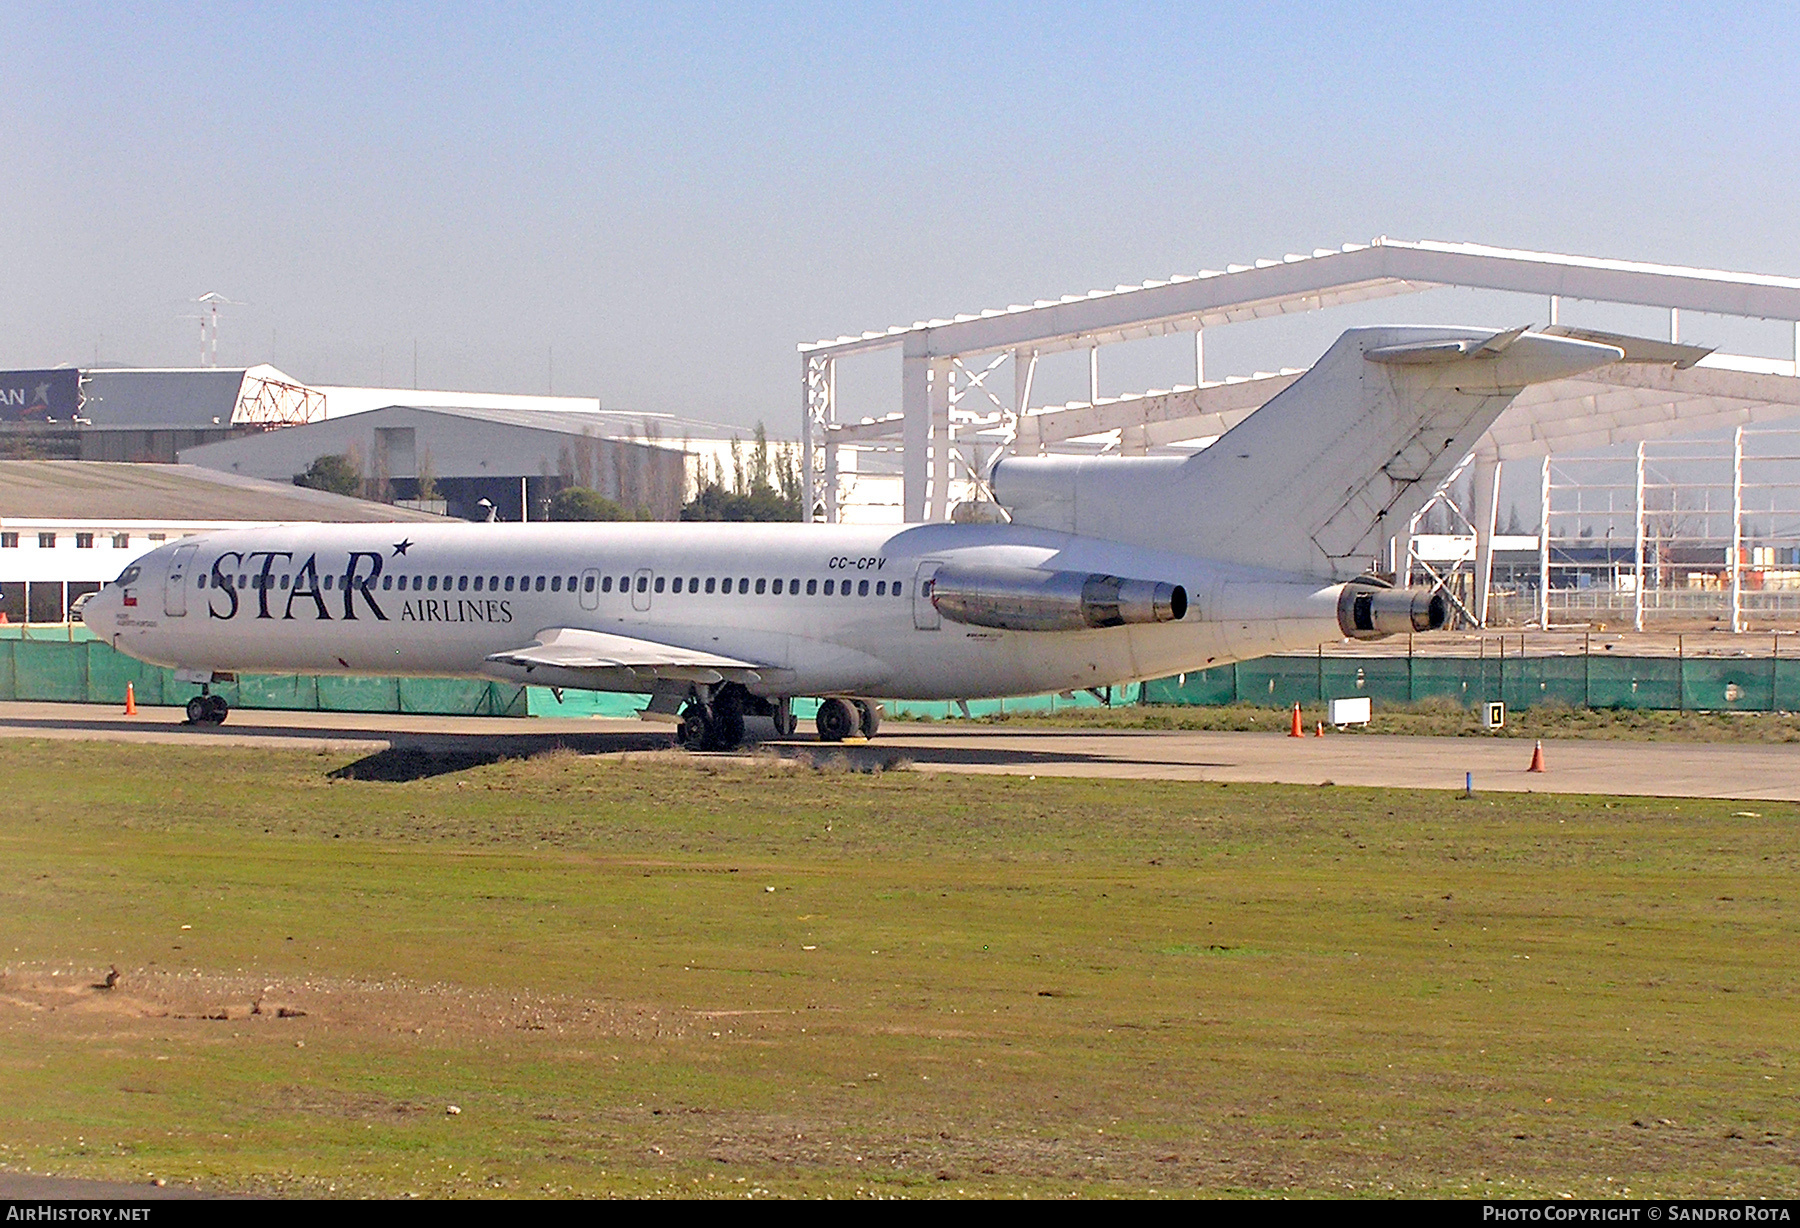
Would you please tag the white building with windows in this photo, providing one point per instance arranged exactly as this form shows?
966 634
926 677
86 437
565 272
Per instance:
67 527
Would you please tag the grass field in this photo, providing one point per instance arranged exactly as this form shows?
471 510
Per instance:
723 977
1435 718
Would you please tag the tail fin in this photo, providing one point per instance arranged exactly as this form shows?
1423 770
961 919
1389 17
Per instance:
1319 478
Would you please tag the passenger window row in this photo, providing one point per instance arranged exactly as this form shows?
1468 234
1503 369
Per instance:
722 585
742 585
418 583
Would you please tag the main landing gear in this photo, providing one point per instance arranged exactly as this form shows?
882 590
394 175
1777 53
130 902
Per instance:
715 724
714 717
847 718
207 708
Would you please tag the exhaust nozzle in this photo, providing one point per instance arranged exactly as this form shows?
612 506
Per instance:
1366 613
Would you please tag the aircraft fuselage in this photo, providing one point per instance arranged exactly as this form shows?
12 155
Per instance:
822 609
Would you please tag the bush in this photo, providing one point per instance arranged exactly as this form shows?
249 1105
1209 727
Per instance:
332 473
714 502
580 503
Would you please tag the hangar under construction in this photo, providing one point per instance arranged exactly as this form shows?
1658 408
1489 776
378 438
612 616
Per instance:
1665 489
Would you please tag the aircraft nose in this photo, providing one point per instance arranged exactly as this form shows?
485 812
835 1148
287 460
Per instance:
99 612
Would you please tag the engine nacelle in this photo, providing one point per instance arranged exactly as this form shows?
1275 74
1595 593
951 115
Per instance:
1366 613
1025 599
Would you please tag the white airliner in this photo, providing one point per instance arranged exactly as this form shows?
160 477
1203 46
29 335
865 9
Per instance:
1099 571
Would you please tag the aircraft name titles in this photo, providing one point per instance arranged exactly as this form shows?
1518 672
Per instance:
459 610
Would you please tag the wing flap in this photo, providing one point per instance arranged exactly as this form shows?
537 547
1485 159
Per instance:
573 649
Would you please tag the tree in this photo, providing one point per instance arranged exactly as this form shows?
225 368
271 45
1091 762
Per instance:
763 486
332 473
427 478
579 503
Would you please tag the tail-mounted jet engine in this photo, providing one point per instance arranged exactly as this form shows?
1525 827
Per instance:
1025 599
1368 613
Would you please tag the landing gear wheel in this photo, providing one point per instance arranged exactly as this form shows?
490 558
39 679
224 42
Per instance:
207 710
695 731
837 720
727 730
868 714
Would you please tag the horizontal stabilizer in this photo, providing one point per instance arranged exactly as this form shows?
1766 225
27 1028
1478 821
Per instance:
568 648
1638 349
1445 351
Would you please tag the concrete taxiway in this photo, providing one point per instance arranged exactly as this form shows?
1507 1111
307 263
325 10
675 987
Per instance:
1659 769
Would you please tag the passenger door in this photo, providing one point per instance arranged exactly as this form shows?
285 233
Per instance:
590 589
925 613
175 583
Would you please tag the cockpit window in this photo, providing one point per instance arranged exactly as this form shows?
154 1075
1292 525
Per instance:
129 576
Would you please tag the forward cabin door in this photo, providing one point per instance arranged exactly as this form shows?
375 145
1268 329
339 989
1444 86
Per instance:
175 583
925 612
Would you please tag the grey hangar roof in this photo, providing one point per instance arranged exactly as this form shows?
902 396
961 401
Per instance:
107 491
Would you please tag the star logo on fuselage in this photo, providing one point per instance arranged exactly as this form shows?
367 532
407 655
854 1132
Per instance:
400 547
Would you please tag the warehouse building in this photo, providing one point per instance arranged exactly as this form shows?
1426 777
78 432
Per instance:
467 454
464 461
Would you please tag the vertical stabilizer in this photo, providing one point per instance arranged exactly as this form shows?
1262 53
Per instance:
1317 480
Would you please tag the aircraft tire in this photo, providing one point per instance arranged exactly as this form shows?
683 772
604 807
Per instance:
727 730
837 720
197 713
868 716
695 731
217 709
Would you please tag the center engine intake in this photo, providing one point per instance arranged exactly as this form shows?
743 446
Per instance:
1025 599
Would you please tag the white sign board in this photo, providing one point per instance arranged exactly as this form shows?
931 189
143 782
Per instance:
1350 711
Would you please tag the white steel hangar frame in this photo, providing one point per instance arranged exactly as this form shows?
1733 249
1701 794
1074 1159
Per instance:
949 365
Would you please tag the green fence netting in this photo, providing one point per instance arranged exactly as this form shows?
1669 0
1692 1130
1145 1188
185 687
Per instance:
601 703
1713 684
89 671
75 668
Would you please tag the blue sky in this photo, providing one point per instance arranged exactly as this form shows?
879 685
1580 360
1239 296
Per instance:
668 198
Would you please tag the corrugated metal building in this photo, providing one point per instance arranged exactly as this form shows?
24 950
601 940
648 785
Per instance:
515 459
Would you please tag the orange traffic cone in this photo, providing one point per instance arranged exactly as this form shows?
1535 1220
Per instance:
1296 731
130 701
1537 758
1319 730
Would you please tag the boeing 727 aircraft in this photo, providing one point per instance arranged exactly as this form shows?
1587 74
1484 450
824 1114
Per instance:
1099 571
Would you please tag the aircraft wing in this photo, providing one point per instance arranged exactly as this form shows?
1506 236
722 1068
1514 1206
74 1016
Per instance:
574 649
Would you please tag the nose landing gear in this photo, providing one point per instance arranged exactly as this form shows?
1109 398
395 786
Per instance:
207 709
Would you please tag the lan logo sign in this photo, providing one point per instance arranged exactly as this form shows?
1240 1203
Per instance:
40 396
